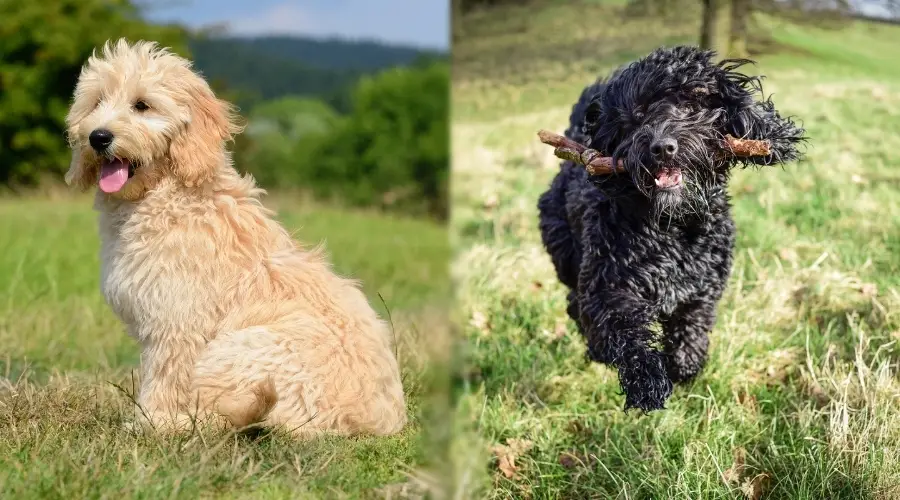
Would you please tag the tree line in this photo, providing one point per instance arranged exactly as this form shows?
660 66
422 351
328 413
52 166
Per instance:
390 150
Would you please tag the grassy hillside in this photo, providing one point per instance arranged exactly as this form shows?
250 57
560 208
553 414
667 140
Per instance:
64 354
801 395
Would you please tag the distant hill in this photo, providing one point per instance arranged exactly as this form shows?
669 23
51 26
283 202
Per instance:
332 53
255 69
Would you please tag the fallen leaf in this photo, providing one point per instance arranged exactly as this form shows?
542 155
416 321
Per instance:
869 289
491 201
879 93
508 453
754 488
520 446
559 331
505 462
818 394
788 254
573 459
745 399
782 363
568 461
576 427
733 474
480 321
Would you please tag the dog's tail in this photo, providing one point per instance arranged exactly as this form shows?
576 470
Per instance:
250 407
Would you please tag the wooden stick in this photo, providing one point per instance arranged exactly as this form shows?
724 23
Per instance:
567 149
746 147
597 164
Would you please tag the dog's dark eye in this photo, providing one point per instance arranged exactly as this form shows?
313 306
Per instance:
141 106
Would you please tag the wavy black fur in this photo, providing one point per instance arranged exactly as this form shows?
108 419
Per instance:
633 254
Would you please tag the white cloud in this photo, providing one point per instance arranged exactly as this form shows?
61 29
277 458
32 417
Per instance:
285 18
418 22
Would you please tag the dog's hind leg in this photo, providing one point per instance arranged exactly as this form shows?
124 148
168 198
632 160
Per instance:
556 233
304 377
231 377
573 310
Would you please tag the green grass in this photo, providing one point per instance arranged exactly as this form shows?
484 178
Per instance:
801 395
63 350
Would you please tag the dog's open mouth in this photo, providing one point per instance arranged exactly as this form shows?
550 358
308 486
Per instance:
114 173
668 178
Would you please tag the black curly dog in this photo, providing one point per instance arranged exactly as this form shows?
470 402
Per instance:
654 245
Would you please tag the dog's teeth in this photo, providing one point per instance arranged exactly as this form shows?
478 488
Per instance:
658 182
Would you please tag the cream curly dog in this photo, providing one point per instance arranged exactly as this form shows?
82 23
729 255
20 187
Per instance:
234 319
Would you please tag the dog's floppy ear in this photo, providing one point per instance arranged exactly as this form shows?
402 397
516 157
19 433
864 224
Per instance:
83 171
199 150
747 118
79 174
585 114
593 115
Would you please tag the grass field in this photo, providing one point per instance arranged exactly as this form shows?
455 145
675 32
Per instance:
62 352
801 395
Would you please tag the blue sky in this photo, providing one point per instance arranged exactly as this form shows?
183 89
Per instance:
422 23
872 7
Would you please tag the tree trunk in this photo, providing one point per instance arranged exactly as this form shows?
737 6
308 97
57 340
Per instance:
456 19
740 16
712 10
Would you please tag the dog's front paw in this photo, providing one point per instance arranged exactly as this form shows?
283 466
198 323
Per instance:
645 382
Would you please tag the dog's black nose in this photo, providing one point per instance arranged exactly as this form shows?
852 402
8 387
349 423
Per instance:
100 139
664 149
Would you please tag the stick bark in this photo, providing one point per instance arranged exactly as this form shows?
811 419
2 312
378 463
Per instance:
597 164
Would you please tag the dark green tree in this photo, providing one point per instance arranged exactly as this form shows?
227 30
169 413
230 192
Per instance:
393 148
43 44
282 140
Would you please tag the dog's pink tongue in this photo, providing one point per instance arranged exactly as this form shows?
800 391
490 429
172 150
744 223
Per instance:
113 175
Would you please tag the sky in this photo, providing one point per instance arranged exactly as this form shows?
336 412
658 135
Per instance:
872 7
420 23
